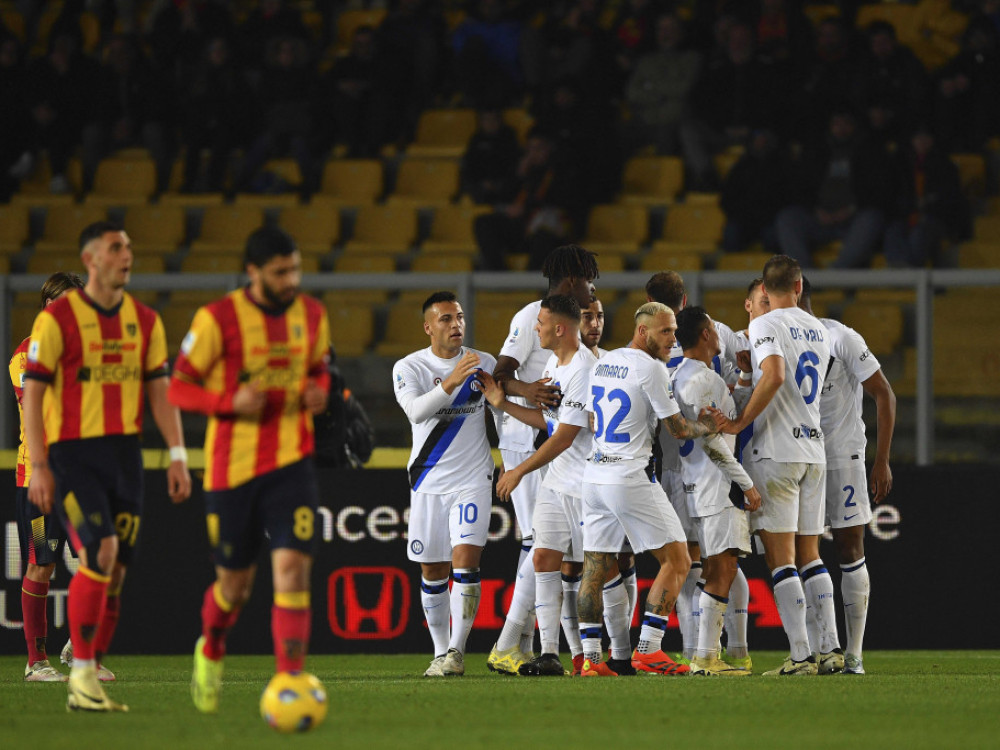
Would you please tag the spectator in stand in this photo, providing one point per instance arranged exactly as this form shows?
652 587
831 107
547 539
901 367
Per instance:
58 96
16 161
659 89
824 79
487 48
753 192
214 112
634 35
783 34
889 72
284 103
841 192
538 219
180 29
345 102
930 206
132 106
734 96
966 104
882 125
269 21
490 160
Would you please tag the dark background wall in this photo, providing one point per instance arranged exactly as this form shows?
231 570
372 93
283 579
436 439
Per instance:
924 548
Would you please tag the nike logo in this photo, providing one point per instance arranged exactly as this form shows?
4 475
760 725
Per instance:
848 518
462 536
431 606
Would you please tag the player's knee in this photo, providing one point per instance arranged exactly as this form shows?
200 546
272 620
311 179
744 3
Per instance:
38 573
103 554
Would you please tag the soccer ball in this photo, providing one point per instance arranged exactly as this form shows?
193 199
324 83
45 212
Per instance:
293 702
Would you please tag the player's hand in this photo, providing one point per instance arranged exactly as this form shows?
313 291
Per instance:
710 416
751 499
466 366
314 397
880 483
508 483
249 400
541 393
178 481
491 389
743 360
42 487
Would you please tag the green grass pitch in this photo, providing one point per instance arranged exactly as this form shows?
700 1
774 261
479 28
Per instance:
908 699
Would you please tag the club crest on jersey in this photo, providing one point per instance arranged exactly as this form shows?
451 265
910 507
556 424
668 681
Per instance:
297 331
33 351
514 335
131 329
400 383
437 381
188 343
416 546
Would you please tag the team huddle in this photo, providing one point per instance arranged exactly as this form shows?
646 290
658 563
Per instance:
684 443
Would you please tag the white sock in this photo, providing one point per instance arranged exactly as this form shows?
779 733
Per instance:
818 587
434 600
713 612
548 609
616 618
631 581
855 587
570 619
685 607
791 601
465 592
527 644
522 607
699 588
736 616
651 635
590 636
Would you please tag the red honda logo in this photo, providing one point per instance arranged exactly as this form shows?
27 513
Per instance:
368 603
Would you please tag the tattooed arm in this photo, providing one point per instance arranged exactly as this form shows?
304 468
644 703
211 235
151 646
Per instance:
682 429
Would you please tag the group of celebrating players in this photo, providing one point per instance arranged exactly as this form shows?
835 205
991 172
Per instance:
606 454
683 443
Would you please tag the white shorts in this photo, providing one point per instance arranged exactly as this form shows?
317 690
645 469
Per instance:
793 497
523 496
558 524
440 522
847 501
725 530
673 485
639 512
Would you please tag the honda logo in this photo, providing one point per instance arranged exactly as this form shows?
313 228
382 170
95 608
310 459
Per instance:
368 603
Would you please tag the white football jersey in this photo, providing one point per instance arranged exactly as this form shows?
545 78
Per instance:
706 484
629 393
522 344
851 364
573 379
730 342
450 448
788 430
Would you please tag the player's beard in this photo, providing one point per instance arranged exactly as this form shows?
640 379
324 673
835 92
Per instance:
279 299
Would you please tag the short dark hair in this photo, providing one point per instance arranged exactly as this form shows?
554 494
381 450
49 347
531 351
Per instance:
58 283
752 286
438 297
569 261
806 289
267 242
96 230
666 287
781 273
563 304
691 321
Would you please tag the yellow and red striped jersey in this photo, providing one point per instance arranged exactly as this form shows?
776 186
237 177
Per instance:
17 365
234 341
96 362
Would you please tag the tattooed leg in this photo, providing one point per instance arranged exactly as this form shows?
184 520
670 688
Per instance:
674 563
590 601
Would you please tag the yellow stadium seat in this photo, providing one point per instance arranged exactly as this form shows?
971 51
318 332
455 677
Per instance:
438 263
492 324
22 316
13 21
513 301
616 229
211 262
726 305
63 225
349 20
121 182
404 331
383 230
881 324
979 375
176 323
971 173
725 160
155 229
266 201
979 255
351 182
364 264
893 296
226 228
751 262
196 201
352 329
367 298
659 261
49 262
425 182
651 180
819 13
900 15
700 223
442 133
987 229
519 119
14 228
452 229
315 228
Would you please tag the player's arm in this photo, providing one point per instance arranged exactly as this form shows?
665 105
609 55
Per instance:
420 407
885 418
494 393
684 429
558 442
316 392
538 392
41 487
168 421
772 377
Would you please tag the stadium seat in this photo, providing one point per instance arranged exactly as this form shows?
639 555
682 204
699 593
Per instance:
724 160
616 229
652 180
155 229
817 13
452 231
212 262
491 324
971 173
513 301
63 225
352 328
668 261
694 224
23 312
987 229
520 119
900 15
364 264
367 298
288 173
177 319
404 331
351 182
349 20
315 228
123 181
881 324
226 228
425 182
979 255
726 305
979 375
64 259
427 262
886 296
442 133
751 262
14 228
386 230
